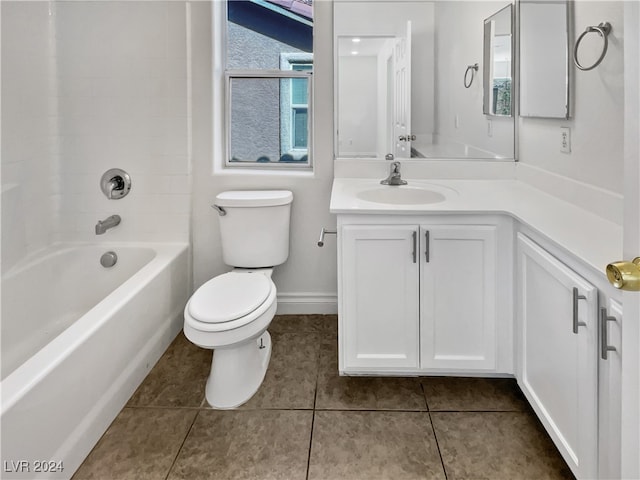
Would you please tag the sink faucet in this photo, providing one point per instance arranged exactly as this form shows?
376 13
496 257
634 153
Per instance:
394 177
109 222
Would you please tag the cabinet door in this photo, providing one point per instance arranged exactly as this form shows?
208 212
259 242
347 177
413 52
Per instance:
379 298
558 367
610 385
458 297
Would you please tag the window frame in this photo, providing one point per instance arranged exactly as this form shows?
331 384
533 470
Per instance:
288 60
224 90
229 75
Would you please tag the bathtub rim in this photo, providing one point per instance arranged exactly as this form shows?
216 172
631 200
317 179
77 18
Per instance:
38 366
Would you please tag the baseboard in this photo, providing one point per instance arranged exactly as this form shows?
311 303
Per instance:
307 303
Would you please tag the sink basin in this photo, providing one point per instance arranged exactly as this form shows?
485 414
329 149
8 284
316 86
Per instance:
402 195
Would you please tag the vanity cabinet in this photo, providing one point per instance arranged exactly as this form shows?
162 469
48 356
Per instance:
558 350
458 297
380 327
610 316
418 298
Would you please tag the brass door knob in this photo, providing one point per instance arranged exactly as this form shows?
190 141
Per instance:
625 275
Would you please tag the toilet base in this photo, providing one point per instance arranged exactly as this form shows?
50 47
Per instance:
237 372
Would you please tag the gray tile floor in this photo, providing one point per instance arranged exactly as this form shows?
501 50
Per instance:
307 422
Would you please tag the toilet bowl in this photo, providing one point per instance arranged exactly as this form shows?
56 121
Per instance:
230 314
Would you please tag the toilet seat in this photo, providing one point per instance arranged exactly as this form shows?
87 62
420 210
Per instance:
230 300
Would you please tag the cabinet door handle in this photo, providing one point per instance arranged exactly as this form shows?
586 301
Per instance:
605 348
415 246
577 323
426 246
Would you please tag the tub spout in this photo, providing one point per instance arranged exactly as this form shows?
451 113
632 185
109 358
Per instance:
109 222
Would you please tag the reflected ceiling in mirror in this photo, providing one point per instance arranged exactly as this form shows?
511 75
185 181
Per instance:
419 108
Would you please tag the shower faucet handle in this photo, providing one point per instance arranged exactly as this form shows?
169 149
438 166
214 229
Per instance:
115 183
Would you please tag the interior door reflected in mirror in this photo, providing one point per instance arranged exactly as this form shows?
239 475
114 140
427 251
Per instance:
376 68
400 74
498 63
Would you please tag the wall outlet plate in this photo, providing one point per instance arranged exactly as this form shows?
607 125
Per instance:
565 139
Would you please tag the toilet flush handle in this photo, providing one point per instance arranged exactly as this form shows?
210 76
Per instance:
221 211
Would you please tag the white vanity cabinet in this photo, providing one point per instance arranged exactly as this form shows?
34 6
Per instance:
610 386
458 273
558 353
379 277
420 297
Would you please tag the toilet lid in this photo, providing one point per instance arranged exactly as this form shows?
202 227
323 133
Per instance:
229 296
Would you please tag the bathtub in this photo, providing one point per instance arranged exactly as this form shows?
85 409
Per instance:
77 339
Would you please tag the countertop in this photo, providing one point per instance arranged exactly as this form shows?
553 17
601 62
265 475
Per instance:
591 238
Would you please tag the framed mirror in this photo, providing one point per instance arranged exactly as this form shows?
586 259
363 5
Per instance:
400 76
544 59
498 63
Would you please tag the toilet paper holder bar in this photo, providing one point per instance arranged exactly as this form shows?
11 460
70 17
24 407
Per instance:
323 232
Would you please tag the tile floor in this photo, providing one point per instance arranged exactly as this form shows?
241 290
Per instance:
306 422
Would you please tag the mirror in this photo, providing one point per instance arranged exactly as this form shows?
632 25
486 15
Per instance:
544 59
403 90
376 68
497 63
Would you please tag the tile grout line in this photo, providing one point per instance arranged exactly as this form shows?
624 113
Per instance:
175 459
313 419
313 416
433 428
435 436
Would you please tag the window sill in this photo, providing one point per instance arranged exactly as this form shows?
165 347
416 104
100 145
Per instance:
270 172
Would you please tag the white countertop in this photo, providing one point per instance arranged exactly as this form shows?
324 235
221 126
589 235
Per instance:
590 238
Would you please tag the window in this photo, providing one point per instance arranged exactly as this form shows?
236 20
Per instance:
269 83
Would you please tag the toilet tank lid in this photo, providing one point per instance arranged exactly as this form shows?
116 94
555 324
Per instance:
254 198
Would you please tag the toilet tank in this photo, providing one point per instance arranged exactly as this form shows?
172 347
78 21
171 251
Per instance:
255 228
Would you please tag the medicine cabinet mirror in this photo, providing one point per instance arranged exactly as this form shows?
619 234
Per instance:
498 63
409 81
544 59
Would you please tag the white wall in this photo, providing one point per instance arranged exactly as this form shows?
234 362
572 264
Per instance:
307 281
358 114
29 155
88 86
597 122
122 91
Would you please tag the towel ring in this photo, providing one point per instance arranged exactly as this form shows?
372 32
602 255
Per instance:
471 68
603 29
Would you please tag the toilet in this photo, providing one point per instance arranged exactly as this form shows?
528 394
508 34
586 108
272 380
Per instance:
231 312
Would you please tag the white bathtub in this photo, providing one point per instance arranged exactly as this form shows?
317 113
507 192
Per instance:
77 340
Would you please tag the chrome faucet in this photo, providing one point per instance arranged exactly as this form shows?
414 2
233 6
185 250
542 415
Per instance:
109 222
114 185
394 177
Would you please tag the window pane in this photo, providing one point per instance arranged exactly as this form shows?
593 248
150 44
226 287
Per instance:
258 32
264 126
268 114
300 128
299 90
255 119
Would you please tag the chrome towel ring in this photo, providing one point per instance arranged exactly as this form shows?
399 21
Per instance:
603 29
471 68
